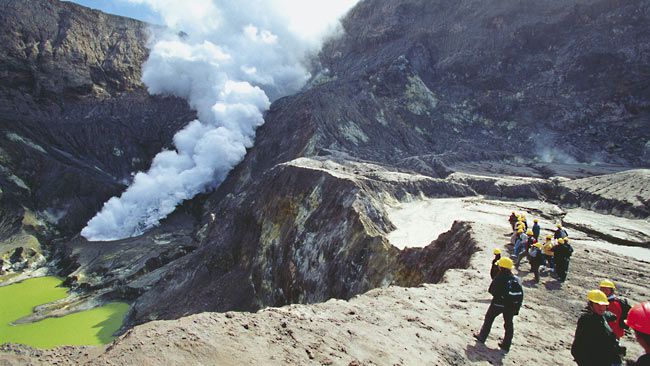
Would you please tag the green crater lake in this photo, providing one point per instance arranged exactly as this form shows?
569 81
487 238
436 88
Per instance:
90 327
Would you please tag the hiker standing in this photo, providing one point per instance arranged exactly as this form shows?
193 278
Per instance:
615 307
639 320
548 253
513 220
521 241
495 266
507 296
536 259
536 229
594 343
562 254
560 232
530 241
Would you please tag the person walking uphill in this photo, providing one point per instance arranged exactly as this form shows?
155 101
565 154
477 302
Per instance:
594 343
507 296
639 320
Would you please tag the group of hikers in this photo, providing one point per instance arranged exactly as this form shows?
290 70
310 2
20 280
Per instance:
603 321
554 253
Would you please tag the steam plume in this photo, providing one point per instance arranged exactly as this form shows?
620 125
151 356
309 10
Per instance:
232 60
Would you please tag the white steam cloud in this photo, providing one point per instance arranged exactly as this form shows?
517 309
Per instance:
232 59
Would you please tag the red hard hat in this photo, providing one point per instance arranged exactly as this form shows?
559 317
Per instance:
639 317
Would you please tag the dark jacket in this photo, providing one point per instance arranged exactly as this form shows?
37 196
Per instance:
495 267
560 233
535 257
562 252
536 230
641 361
594 343
498 287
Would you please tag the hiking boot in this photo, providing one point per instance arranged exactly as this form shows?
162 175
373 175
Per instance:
478 338
503 348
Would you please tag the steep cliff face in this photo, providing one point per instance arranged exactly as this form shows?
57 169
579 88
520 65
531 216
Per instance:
310 230
75 120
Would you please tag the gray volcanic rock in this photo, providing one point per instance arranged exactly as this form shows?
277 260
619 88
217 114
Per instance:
75 120
310 230
554 79
413 88
623 194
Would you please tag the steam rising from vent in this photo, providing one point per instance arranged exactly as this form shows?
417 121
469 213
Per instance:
231 60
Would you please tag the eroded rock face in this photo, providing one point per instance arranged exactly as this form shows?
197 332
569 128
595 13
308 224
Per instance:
75 119
310 230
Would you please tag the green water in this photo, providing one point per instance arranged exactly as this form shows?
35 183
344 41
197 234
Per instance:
90 327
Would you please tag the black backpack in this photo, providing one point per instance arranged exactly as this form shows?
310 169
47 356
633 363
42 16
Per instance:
514 295
625 309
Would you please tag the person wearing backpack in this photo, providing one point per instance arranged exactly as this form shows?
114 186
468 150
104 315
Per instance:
562 254
618 307
639 320
548 253
521 240
507 296
594 343
560 232
536 259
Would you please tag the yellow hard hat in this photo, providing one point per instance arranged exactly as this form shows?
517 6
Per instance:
536 220
513 212
607 284
529 232
559 226
538 245
496 251
506 263
520 218
598 297
523 215
560 241
549 237
520 231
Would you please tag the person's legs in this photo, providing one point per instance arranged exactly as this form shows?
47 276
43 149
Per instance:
560 270
508 324
492 312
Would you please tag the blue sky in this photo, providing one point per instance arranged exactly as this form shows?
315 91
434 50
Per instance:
122 7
